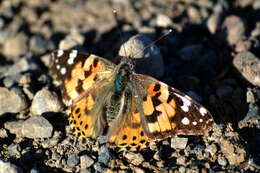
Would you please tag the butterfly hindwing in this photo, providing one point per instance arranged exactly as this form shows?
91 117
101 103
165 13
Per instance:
127 130
167 111
88 113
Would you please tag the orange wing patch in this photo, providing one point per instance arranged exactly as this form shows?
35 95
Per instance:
131 135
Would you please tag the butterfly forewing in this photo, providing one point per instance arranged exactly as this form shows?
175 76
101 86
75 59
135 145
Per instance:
167 111
84 88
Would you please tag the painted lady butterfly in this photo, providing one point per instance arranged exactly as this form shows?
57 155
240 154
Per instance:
137 108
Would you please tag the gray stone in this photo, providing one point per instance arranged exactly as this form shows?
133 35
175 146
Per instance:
178 142
181 160
9 81
212 149
213 22
34 171
102 139
222 161
84 171
234 29
134 158
38 44
86 161
37 127
14 150
104 155
7 167
34 127
45 101
148 59
72 40
15 45
98 167
50 142
20 66
15 127
73 160
249 66
162 20
11 101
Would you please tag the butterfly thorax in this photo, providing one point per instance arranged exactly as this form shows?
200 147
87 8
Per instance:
122 78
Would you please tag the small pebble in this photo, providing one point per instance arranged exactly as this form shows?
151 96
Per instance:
15 46
234 28
104 155
213 22
162 20
248 65
148 60
212 149
14 150
45 101
134 158
34 171
7 167
222 161
98 167
178 142
72 40
73 160
12 101
181 160
34 127
38 44
86 161
84 171
22 65
37 127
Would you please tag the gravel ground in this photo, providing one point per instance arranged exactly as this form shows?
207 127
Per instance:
213 54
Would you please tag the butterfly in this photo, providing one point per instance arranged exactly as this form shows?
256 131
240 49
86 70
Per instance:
134 109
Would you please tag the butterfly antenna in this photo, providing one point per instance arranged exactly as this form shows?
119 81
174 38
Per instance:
158 39
120 31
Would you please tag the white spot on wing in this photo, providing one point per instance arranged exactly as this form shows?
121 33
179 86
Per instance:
58 66
185 121
201 120
72 56
203 111
60 53
185 108
63 70
194 123
186 102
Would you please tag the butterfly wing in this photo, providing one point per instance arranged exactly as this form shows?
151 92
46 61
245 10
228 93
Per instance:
78 71
127 131
166 111
86 84
88 114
